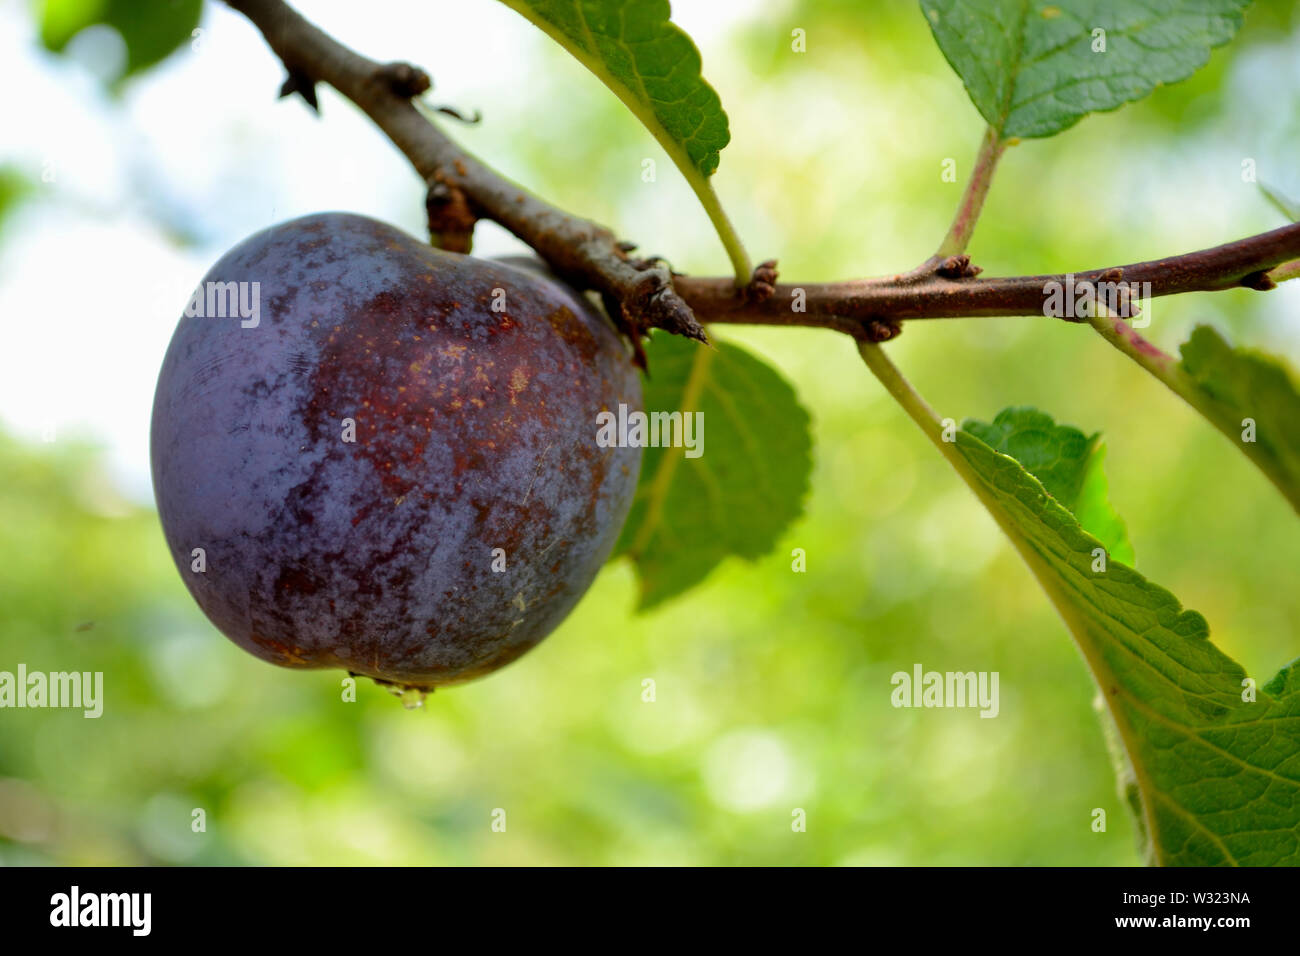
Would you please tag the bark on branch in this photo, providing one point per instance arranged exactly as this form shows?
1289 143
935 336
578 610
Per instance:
840 304
646 292
578 249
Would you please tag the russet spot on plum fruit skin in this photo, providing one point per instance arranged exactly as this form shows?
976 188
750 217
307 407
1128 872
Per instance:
475 429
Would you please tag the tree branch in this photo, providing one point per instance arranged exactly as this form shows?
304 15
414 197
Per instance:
844 305
578 249
646 293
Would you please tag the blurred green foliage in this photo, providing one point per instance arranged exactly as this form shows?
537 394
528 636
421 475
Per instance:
771 688
13 189
151 30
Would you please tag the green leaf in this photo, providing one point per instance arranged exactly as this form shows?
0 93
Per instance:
742 493
1215 778
1030 67
1250 396
654 68
1067 462
650 64
1237 388
151 31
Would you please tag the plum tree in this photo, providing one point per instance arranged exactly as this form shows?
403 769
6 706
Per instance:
375 455
371 554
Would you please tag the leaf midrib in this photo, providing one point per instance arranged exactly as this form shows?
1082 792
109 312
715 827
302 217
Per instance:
659 487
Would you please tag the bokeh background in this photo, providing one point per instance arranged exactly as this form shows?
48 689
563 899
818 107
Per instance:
773 689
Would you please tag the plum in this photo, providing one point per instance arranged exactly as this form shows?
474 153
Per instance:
374 455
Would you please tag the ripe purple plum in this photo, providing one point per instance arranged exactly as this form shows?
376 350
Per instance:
374 455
